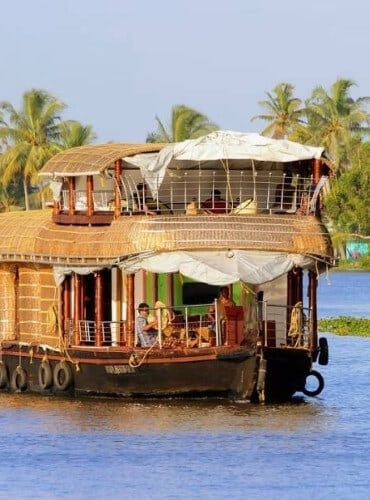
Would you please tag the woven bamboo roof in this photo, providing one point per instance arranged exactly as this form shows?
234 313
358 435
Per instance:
93 159
32 236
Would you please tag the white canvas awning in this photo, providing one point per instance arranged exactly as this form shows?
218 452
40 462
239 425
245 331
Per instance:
224 149
220 267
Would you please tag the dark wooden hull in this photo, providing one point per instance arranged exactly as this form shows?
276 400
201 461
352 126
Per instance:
226 372
230 372
282 372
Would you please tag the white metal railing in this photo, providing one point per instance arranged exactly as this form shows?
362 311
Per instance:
241 192
102 200
282 325
112 332
199 326
187 326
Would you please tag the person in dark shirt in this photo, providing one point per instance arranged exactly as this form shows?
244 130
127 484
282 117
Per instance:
215 204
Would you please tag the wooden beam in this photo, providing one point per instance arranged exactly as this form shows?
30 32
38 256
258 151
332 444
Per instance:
71 195
98 308
77 308
312 294
130 320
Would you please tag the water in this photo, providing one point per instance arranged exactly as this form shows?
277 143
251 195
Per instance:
343 294
311 448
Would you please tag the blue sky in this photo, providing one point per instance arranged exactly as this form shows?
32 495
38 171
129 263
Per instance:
118 63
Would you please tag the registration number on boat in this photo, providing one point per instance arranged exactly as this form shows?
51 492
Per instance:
118 369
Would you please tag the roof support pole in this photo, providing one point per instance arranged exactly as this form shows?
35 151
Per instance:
71 195
89 193
117 187
77 308
130 321
66 307
98 308
312 295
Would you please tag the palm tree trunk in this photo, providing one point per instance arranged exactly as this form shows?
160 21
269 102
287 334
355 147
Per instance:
25 193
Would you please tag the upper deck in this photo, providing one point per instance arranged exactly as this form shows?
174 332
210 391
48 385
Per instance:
121 180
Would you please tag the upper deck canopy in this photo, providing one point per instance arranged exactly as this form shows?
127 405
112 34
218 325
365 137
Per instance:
220 149
228 150
93 159
231 147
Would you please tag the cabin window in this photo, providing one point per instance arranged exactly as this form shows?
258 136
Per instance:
198 293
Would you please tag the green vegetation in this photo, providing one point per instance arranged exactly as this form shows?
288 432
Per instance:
284 112
345 325
186 123
29 137
359 264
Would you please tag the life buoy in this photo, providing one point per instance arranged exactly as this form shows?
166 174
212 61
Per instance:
45 375
19 379
320 384
62 376
4 375
323 351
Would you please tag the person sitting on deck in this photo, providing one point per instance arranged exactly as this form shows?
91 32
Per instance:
223 301
215 204
146 332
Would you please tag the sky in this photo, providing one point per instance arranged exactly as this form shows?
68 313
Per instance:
117 64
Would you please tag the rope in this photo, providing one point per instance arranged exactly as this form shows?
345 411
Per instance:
76 364
52 319
296 323
133 361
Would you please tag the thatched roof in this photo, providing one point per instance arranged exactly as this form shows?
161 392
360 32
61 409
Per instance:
33 237
93 159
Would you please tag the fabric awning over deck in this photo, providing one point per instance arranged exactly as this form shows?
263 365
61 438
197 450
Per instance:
225 149
220 267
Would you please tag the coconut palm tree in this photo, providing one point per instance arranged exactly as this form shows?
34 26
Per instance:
32 136
186 123
335 119
73 133
284 112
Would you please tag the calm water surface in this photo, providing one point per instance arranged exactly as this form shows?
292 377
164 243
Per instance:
311 448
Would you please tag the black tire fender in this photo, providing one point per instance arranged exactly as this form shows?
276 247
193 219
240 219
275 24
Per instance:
4 375
320 384
323 351
19 379
62 376
45 375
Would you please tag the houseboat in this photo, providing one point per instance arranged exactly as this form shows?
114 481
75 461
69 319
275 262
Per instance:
156 231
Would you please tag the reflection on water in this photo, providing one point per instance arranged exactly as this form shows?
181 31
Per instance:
59 415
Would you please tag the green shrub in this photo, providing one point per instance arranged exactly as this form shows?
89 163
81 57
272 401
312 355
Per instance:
345 325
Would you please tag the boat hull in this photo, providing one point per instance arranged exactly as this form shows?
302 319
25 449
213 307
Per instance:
270 375
282 373
123 373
